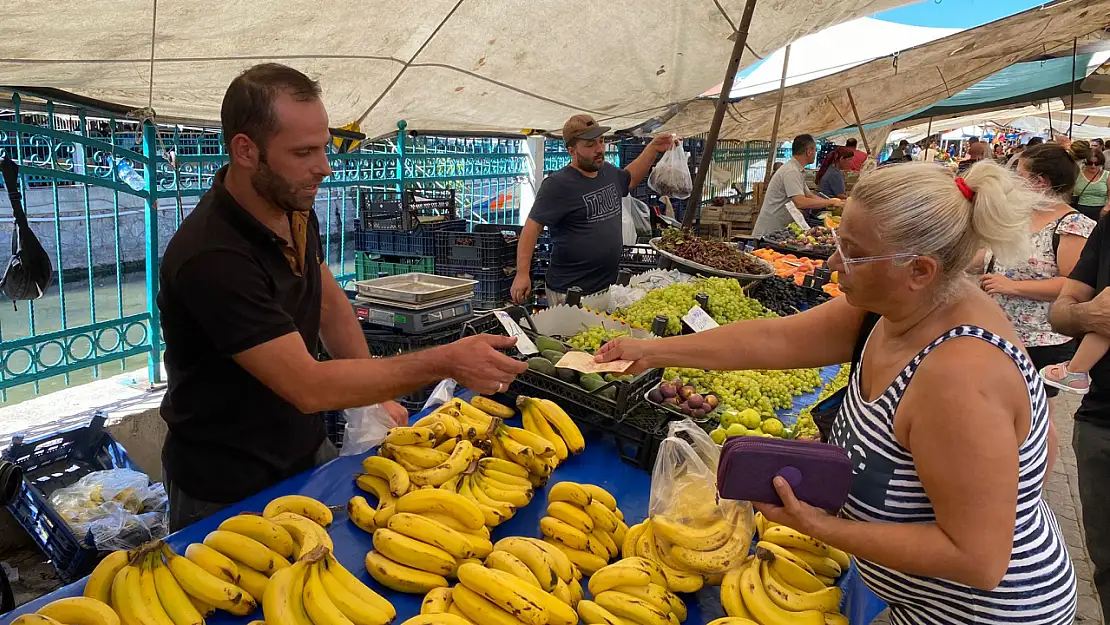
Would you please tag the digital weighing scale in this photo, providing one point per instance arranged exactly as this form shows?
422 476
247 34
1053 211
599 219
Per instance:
414 303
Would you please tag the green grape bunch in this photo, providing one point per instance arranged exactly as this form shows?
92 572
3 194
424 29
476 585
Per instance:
805 427
761 390
727 304
590 339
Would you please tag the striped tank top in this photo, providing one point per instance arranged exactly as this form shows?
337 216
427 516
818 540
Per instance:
1039 586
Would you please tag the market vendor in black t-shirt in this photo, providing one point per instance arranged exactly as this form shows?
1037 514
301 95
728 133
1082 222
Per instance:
246 299
581 205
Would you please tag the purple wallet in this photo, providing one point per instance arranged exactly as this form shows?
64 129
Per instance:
820 474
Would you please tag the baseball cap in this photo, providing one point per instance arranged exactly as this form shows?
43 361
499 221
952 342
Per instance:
583 127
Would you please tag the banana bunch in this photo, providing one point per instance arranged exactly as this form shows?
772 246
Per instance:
429 533
632 590
640 541
151 585
584 522
824 561
318 590
545 420
72 611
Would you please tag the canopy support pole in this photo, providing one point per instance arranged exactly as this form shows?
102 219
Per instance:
719 114
770 169
859 126
1071 105
1048 106
928 137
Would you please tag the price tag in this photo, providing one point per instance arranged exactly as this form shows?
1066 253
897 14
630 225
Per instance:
699 320
524 344
585 363
797 215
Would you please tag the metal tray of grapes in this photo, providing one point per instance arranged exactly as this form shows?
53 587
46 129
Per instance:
698 415
688 266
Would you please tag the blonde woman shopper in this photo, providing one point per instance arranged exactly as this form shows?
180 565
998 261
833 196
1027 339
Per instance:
945 418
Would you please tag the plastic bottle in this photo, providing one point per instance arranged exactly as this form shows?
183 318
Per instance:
129 176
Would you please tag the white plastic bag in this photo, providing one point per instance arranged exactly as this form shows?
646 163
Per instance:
684 503
628 224
119 508
671 176
366 429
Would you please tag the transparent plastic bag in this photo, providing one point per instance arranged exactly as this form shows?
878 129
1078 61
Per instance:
119 508
366 429
671 176
700 533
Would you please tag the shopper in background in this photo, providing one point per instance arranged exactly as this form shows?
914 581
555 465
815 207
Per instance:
830 179
246 300
975 152
1090 192
581 205
900 154
945 518
789 185
1026 289
858 156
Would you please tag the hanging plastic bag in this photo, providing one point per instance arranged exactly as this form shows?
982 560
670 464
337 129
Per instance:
671 176
641 216
628 223
366 429
700 533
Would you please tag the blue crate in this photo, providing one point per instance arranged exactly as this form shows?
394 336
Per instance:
420 242
56 461
494 285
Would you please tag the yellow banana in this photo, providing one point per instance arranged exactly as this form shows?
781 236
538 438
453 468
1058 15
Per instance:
89 611
454 524
493 585
677 581
414 553
447 446
827 581
439 501
631 608
776 551
652 568
593 614
170 594
565 534
518 451
439 619
401 578
565 569
505 479
252 581
299 504
507 562
563 425
537 424
571 515
127 598
402 436
540 445
361 514
822 566
436 601
707 538
432 532
449 424
628 545
610 577
148 594
503 466
455 464
283 601
505 494
480 546
731 599
726 557
247 550
603 517
205 609
207 587
663 600
620 532
420 457
734 620
763 609
835 619
606 542
562 593
318 604
792 574
390 471
213 561
794 600
35 619
793 539
262 530
306 534
570 492
479 609
587 562
842 559
99 584
491 407
482 421
494 512
602 495
576 592
540 563
357 600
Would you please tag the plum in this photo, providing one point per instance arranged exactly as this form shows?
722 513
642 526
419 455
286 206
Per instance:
698 414
686 391
711 401
656 396
696 401
668 390
670 401
687 410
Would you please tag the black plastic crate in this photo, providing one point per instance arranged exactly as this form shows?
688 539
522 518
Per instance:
489 246
420 242
494 285
336 423
56 461
385 342
405 211
639 258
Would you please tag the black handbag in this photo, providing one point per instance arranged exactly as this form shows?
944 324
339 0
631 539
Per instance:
824 413
29 270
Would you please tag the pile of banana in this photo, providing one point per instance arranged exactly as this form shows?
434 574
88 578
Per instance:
780 585
640 541
429 533
584 522
72 610
523 581
317 590
632 590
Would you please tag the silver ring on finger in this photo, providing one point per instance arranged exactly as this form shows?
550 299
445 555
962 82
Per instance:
500 386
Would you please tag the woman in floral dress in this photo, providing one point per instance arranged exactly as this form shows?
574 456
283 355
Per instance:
1058 234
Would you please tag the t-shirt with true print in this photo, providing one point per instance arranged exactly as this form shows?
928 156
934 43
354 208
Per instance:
584 217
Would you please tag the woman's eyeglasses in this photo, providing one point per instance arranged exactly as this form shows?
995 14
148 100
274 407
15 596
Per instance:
848 261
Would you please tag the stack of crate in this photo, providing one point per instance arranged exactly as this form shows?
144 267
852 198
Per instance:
488 255
395 231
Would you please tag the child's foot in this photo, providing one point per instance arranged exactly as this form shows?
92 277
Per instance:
1059 377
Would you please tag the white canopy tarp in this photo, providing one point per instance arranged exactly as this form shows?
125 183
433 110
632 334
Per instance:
888 87
1084 118
463 65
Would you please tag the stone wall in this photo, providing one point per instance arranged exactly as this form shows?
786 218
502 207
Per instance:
100 229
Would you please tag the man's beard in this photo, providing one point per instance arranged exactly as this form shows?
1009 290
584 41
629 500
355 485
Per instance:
270 185
590 165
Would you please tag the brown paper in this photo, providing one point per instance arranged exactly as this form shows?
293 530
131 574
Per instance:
583 362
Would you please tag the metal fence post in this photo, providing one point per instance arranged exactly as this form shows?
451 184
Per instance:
401 125
150 222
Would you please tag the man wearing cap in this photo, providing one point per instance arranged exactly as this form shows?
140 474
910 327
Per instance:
581 205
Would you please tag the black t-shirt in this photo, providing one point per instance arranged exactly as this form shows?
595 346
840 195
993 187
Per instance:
584 217
1093 269
226 286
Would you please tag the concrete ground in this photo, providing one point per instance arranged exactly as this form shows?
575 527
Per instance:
143 430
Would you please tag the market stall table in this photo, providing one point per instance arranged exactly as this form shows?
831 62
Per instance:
334 485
